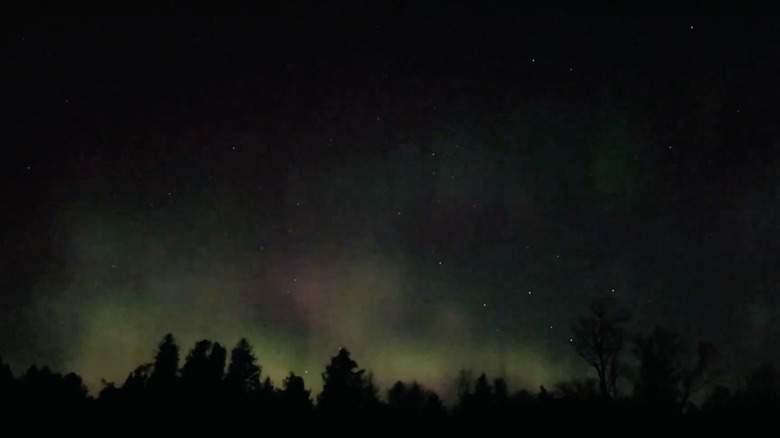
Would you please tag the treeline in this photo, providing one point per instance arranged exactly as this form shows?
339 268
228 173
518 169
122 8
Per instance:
209 388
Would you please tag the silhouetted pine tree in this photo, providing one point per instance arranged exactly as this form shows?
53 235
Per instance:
195 371
413 401
163 380
217 360
243 375
344 386
660 357
294 396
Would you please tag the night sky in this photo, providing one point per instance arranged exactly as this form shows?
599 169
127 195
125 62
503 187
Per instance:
434 191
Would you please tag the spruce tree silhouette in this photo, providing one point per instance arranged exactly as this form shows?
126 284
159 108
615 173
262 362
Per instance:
163 380
398 398
343 386
463 384
195 371
267 396
216 363
483 392
294 396
137 381
41 388
599 339
660 357
110 397
370 404
36 386
72 389
202 374
243 375
501 397
476 403
413 402
500 390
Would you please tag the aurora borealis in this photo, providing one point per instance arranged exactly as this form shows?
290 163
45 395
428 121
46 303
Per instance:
434 193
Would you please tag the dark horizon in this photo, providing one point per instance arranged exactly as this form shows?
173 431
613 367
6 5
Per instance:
435 192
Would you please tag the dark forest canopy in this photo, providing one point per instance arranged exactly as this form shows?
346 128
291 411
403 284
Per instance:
660 379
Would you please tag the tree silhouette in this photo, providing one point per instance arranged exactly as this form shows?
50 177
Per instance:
370 394
243 376
578 390
500 391
666 378
463 384
109 394
166 364
216 362
413 401
480 399
660 357
196 366
202 372
137 380
44 388
480 403
345 388
294 396
401 399
696 377
668 375
599 339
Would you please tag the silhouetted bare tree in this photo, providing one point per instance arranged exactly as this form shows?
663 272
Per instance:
696 377
464 383
599 339
668 373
